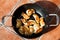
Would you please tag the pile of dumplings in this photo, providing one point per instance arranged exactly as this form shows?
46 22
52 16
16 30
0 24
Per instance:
28 26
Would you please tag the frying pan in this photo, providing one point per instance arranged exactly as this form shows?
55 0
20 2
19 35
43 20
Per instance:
40 11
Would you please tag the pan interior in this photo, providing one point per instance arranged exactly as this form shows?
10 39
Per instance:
17 15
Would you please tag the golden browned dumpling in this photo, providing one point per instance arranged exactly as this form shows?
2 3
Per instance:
36 27
39 30
23 20
18 23
36 17
29 12
31 22
21 30
42 23
25 15
33 10
31 29
28 30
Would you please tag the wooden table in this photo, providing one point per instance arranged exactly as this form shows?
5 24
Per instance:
50 6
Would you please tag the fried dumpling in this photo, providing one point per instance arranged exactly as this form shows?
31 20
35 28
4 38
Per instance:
23 20
39 30
31 29
42 23
31 22
36 17
36 27
25 16
21 30
29 12
18 23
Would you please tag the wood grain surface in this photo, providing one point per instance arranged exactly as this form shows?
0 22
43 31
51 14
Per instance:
51 6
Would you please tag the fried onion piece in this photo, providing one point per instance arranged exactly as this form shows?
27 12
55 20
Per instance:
33 10
39 30
31 22
25 15
18 23
31 29
30 12
36 27
36 17
27 30
21 30
42 23
23 20
24 30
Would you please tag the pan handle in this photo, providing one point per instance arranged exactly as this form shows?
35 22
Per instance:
8 28
57 19
4 19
